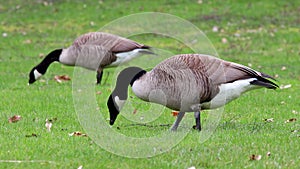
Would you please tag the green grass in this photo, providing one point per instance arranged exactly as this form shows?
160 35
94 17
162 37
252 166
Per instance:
268 38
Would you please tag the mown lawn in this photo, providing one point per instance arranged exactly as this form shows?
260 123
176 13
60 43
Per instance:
260 34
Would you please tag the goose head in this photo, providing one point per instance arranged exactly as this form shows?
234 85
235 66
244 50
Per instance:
34 75
119 95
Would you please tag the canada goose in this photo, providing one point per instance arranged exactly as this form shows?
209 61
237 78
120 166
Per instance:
94 51
187 83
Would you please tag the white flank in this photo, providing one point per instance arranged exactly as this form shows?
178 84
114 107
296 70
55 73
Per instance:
120 103
37 74
229 92
126 56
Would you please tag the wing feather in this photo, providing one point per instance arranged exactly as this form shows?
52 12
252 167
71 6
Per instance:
110 42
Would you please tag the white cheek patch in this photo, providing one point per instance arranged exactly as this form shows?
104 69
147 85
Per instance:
120 103
37 74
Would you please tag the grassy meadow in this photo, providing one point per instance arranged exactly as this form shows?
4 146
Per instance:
261 34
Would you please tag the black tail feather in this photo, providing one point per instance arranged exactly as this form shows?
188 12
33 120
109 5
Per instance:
149 50
268 76
261 81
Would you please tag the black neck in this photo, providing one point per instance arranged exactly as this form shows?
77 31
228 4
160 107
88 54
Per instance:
126 78
51 57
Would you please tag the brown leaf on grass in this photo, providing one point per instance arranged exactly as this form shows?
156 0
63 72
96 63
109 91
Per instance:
175 113
41 55
290 120
14 119
134 111
255 157
269 120
77 133
98 92
48 125
52 120
61 78
31 135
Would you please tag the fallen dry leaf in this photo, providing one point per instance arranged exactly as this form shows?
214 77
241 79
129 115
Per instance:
41 55
61 78
77 133
237 35
215 29
24 33
142 118
27 41
4 34
98 92
53 119
283 68
134 111
14 119
48 125
255 157
224 40
45 3
42 81
285 86
31 135
290 120
92 23
269 120
295 112
175 113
